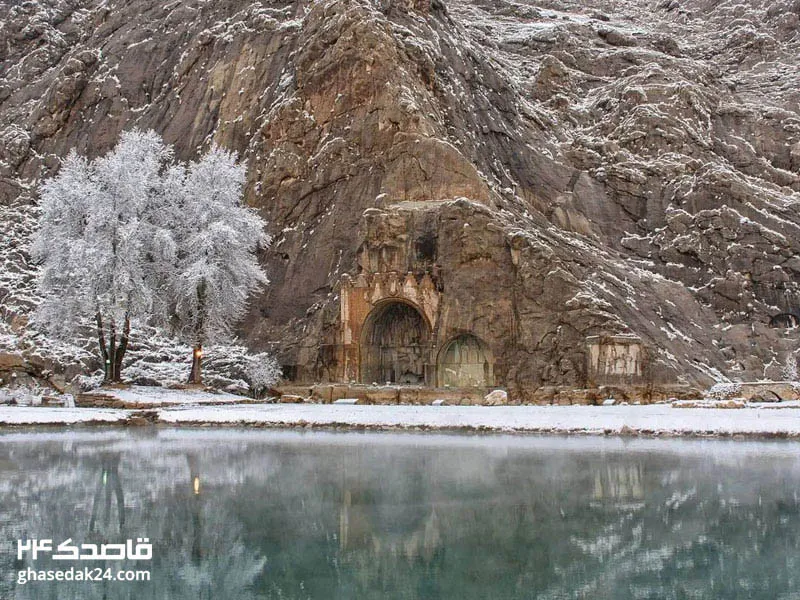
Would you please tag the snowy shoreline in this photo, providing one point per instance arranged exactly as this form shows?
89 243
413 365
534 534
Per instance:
652 420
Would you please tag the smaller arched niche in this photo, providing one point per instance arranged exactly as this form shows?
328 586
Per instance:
465 362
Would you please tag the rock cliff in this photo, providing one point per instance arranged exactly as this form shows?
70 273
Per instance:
566 169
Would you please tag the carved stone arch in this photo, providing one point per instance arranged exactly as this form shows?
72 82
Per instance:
395 344
465 361
765 395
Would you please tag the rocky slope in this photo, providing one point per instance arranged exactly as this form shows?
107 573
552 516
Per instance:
628 167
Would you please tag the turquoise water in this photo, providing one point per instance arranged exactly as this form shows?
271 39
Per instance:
253 514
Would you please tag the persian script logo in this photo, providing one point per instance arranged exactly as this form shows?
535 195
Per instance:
66 550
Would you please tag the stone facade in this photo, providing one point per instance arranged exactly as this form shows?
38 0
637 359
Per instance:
396 324
377 309
445 297
615 359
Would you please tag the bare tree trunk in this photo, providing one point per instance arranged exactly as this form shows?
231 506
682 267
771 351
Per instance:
196 375
112 353
122 348
101 338
111 361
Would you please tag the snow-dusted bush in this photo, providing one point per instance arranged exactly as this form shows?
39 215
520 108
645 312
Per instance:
86 383
157 359
6 396
263 372
722 391
21 396
226 368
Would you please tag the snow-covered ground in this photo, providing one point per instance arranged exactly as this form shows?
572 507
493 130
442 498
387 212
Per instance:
632 420
29 415
661 419
140 395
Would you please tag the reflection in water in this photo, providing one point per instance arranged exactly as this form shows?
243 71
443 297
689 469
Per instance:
246 514
619 482
108 483
195 506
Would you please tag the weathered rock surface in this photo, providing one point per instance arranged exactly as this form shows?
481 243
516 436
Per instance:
495 398
626 172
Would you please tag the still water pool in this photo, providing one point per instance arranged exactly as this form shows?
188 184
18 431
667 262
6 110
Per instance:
244 514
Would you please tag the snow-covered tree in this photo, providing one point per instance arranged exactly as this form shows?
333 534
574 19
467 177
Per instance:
132 236
217 238
100 241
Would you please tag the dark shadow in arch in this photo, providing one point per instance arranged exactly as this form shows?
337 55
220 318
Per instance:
766 396
395 344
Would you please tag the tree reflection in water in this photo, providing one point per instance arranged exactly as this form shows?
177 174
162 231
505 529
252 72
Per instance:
281 515
108 483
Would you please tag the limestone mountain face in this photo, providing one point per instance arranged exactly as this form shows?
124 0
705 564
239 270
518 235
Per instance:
558 169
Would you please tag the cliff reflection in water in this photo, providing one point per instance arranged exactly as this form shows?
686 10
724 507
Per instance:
247 514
